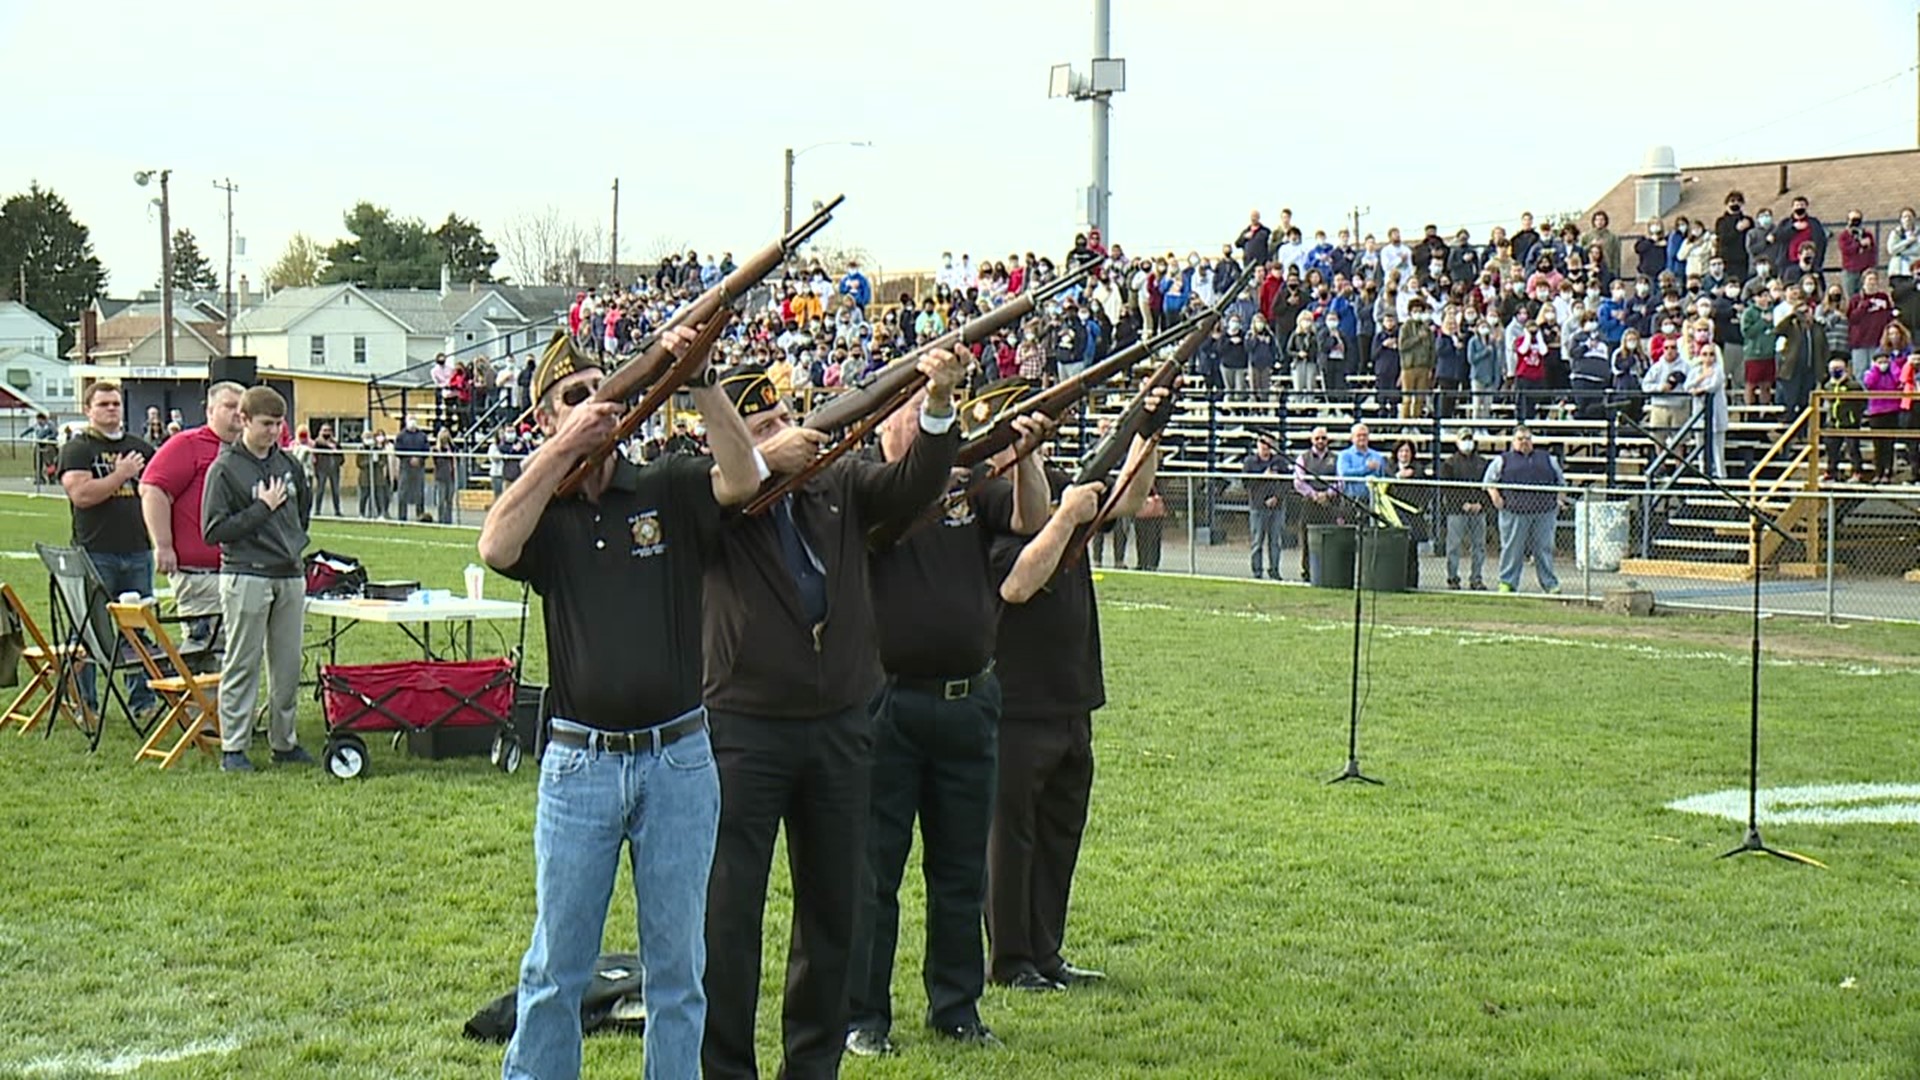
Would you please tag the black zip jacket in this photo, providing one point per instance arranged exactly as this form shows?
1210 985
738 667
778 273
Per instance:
763 658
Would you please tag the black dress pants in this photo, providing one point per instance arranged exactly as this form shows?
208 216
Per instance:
812 775
934 757
1040 813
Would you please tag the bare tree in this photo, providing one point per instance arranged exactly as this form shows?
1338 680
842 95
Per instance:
545 247
299 264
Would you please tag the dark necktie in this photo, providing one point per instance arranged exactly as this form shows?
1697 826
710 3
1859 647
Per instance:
807 577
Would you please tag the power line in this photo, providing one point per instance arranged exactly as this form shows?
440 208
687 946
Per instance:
1902 73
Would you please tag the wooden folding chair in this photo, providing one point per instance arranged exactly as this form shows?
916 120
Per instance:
187 699
51 689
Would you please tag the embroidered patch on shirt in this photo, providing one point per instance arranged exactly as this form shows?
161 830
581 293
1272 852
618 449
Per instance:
648 538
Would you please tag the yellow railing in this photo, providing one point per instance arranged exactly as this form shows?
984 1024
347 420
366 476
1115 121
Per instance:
1780 446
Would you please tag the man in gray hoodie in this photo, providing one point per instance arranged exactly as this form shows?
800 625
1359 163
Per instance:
256 507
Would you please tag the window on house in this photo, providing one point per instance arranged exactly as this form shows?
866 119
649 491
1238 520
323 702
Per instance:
317 351
359 350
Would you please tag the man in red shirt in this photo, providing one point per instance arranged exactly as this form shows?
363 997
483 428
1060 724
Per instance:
170 493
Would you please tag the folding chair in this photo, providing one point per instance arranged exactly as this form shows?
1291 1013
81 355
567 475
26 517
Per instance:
55 697
83 631
187 699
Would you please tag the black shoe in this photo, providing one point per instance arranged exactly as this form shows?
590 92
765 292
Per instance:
1453 583
1478 586
1068 975
972 1033
296 756
865 1042
235 761
1034 982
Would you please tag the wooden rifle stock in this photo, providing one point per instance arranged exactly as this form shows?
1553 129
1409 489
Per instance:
669 382
633 377
866 406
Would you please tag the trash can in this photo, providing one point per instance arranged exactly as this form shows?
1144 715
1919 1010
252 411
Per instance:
1599 534
1383 565
1330 556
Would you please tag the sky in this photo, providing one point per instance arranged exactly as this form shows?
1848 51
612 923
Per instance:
1418 112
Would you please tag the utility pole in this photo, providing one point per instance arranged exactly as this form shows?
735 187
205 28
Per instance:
786 214
1102 38
166 269
613 257
229 187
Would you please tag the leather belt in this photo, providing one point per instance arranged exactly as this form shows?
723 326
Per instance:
945 689
643 740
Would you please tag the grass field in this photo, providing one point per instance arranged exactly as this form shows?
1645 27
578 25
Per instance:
1515 902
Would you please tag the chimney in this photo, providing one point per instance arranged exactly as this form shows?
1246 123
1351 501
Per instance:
446 279
1783 179
245 297
1656 188
473 287
89 334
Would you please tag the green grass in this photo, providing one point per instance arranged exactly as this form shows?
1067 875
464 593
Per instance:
1516 902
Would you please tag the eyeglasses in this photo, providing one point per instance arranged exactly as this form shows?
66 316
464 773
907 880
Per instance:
578 393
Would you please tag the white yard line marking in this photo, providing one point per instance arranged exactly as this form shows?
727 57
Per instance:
1820 804
122 1064
1489 637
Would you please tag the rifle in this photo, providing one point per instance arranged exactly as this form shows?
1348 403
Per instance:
1136 420
635 376
664 387
863 408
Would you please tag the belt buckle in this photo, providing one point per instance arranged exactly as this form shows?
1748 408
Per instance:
956 689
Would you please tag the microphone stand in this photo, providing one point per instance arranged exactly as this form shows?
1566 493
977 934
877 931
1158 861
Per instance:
1366 515
1756 519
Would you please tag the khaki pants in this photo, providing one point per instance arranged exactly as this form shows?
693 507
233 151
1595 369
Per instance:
1414 385
260 615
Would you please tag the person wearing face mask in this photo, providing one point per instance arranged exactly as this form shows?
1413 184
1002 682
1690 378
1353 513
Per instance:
1730 233
1803 230
1233 359
1883 413
1767 242
1449 363
1842 414
1802 354
1486 365
1466 512
1637 313
1263 355
1707 382
1613 315
1650 251
1859 252
1757 351
1903 245
1416 360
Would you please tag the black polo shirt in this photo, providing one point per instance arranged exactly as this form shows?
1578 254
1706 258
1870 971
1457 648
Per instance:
936 601
1048 655
621 579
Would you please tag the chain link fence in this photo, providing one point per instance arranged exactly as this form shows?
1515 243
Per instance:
1846 553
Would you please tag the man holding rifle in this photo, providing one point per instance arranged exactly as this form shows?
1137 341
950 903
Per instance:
936 724
1049 666
792 663
628 760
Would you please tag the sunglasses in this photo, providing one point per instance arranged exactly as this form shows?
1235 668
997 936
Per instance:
578 393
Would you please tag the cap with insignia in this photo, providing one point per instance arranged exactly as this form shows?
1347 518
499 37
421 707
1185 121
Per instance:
559 361
993 401
750 390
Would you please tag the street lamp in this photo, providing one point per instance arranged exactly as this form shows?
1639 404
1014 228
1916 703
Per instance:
786 217
143 177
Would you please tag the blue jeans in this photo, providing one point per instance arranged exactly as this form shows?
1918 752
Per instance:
1267 526
665 807
1467 535
122 572
1527 534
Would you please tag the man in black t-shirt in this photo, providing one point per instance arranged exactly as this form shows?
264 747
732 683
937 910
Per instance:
1048 660
935 729
628 761
100 468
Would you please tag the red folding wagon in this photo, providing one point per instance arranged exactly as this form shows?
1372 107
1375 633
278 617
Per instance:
414 696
